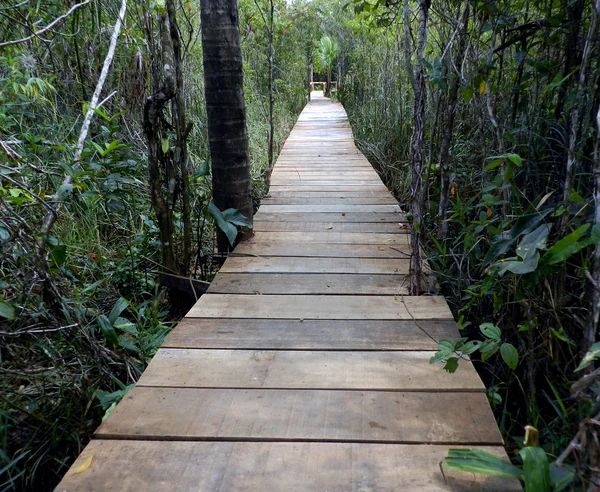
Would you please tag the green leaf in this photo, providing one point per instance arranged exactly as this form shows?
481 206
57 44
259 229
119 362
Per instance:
477 461
490 331
164 144
536 472
229 229
566 247
527 251
108 330
58 255
592 354
203 170
560 476
64 191
510 355
4 234
7 311
120 306
236 217
451 365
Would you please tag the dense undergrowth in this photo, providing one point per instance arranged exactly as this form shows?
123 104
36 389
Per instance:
80 321
512 101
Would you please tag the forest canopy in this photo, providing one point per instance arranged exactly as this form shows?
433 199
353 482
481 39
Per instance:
482 117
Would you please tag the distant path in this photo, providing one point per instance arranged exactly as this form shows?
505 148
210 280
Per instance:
305 367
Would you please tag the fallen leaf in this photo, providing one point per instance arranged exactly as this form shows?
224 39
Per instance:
380 248
343 215
84 466
330 227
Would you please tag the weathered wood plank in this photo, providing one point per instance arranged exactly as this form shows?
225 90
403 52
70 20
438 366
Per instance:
282 369
331 217
364 227
289 248
300 415
336 208
319 307
134 466
312 283
328 200
265 334
283 264
346 189
331 237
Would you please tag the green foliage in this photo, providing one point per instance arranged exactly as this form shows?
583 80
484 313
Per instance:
536 474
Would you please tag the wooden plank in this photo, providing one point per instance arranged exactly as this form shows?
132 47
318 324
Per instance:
300 415
331 217
283 264
301 249
328 184
312 283
330 237
328 200
365 227
336 208
331 188
293 193
319 307
300 369
266 334
134 466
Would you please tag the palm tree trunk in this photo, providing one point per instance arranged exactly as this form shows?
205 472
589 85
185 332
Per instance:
226 110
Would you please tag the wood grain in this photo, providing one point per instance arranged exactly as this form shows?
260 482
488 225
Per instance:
266 334
282 369
300 415
319 307
312 283
135 466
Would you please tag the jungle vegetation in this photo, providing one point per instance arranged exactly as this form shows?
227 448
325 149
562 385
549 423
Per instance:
482 117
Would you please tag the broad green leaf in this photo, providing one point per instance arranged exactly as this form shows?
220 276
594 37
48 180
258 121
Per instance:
451 365
566 247
164 144
592 354
236 217
7 311
108 330
64 191
4 234
58 255
560 476
203 170
510 355
536 472
229 229
120 306
491 331
478 461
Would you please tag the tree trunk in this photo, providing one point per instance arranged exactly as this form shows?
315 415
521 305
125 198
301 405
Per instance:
182 129
417 153
271 144
226 110
328 86
449 130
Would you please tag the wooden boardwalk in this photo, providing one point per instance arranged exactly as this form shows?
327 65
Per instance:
305 367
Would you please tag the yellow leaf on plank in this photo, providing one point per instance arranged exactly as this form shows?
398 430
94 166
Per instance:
84 466
380 248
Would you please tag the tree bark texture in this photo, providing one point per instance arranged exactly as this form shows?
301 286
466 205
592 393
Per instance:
226 110
417 154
